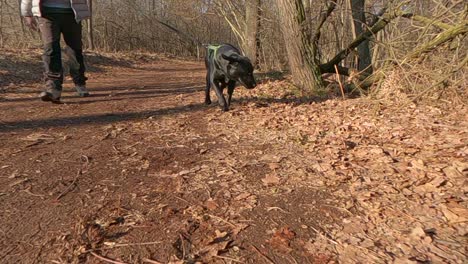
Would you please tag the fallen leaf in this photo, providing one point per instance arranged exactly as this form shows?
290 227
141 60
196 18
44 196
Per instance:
271 179
242 196
281 239
211 204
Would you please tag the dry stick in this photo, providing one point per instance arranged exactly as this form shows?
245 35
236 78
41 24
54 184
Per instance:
222 220
325 236
151 261
106 259
339 81
70 187
228 258
263 255
457 68
126 245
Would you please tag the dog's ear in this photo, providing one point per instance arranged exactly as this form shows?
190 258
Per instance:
232 58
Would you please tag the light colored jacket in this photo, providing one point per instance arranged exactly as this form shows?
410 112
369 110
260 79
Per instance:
33 8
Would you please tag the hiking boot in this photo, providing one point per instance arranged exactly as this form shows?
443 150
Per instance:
81 90
51 95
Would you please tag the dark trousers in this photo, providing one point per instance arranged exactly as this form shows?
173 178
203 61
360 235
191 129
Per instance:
52 26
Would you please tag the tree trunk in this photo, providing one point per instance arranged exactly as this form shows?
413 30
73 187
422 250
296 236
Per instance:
302 52
364 58
90 26
368 33
429 46
251 29
258 41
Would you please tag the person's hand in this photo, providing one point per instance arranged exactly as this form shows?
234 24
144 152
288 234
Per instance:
31 22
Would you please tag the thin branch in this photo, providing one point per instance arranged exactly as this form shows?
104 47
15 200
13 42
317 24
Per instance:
380 25
71 186
106 259
443 37
180 33
428 21
262 255
323 19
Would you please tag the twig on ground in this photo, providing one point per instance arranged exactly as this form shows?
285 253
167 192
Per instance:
70 187
222 220
28 191
125 245
228 258
339 208
278 209
262 255
339 81
106 259
182 199
151 261
325 236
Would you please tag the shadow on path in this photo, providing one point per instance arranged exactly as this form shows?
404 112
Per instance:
100 119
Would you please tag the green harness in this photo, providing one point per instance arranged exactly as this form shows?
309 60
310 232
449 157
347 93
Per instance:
213 49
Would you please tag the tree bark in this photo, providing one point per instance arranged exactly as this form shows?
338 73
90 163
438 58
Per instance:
440 39
378 26
302 53
90 26
251 29
443 37
364 58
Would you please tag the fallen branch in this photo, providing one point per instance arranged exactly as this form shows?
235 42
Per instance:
106 259
262 255
378 26
125 245
443 37
228 258
70 187
428 21
443 79
440 39
151 261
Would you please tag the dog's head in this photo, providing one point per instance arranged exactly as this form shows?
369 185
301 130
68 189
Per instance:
241 70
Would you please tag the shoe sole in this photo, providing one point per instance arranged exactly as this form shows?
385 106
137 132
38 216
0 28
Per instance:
48 98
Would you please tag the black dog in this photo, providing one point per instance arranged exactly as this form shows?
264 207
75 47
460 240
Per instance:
225 67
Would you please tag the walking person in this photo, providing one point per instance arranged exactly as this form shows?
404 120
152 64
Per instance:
54 18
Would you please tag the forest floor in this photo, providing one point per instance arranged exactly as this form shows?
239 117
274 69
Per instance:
143 172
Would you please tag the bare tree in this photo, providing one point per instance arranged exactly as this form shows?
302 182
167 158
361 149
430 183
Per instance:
251 28
303 50
90 26
364 58
243 19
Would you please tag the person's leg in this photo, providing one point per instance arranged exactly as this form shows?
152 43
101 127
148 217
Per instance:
73 38
52 59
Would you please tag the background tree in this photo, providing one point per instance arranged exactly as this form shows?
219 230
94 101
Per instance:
317 37
364 58
303 52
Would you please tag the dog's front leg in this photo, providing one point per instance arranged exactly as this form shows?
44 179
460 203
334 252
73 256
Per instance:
231 86
208 87
219 94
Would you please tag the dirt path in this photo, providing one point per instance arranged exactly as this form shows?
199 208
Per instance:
143 171
137 161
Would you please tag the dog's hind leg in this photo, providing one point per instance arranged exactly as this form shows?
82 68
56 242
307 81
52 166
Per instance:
231 86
